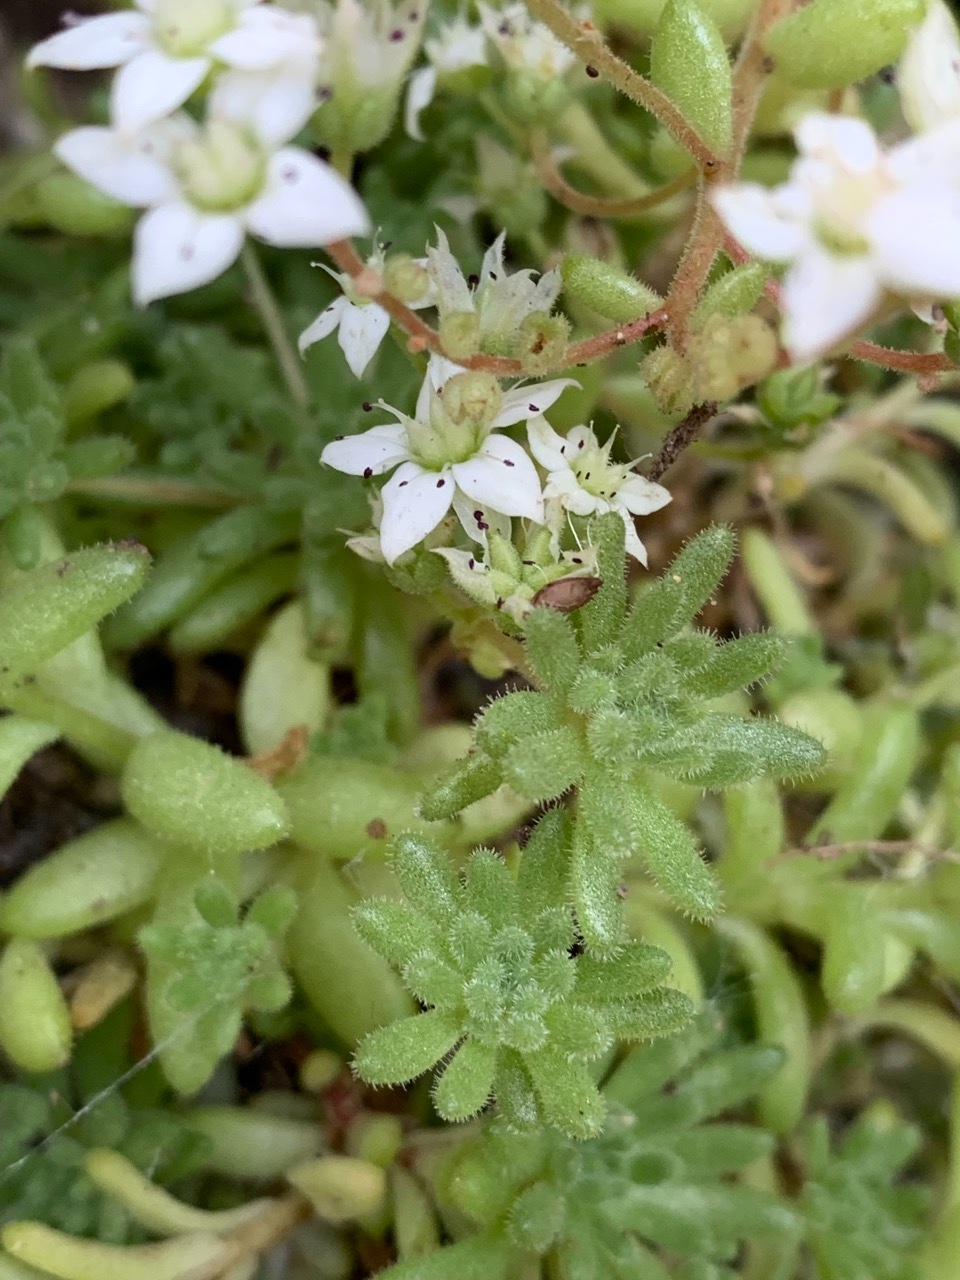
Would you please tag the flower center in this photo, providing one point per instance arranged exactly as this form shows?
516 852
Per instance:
842 208
460 417
221 170
184 28
596 473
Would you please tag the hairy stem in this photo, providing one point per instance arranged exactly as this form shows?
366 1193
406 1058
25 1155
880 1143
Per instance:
261 295
597 206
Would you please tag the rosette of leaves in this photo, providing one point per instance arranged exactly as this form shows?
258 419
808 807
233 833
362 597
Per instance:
625 692
42 1153
511 1010
655 1196
863 1220
37 458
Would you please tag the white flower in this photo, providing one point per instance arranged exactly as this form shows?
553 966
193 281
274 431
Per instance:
583 481
449 450
457 48
362 325
854 223
205 188
929 74
525 45
166 48
501 301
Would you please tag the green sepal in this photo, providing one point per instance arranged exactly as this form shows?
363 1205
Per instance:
689 62
466 1083
672 858
545 765
403 1050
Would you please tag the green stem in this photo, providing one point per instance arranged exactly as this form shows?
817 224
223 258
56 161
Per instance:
263 299
106 742
595 156
154 491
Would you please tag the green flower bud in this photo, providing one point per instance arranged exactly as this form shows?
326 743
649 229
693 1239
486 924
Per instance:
75 208
405 278
729 354
670 378
472 398
832 43
535 99
734 293
541 341
460 334
642 16
606 289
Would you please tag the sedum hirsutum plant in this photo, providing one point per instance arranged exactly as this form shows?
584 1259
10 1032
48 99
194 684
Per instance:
480 797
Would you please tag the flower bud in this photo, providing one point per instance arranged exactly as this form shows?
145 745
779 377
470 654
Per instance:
670 379
829 44
541 341
472 398
460 334
929 74
223 169
603 288
731 353
405 278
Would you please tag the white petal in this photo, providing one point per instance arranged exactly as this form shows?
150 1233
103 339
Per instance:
275 104
151 86
825 297
843 141
420 91
414 503
545 444
267 36
929 74
176 248
305 203
369 454
501 476
479 522
525 402
439 371
131 170
324 325
453 292
932 159
642 496
492 268
916 242
564 487
106 41
632 544
362 329
758 221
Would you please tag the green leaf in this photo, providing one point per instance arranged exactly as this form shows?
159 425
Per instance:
672 857
660 1012
406 1049
394 930
552 648
55 604
688 61
194 794
737 750
541 880
464 1087
595 889
432 980
514 717
426 876
728 1079
567 1093
20 738
829 44
659 611
601 621
637 967
737 665
489 888
714 1150
486 1257
476 777
854 964
545 765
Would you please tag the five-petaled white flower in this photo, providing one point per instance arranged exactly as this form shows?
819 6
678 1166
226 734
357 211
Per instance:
526 46
166 48
929 73
458 47
449 450
582 481
360 322
855 223
204 188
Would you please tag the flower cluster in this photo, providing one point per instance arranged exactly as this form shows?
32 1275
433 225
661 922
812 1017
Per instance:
205 186
846 222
